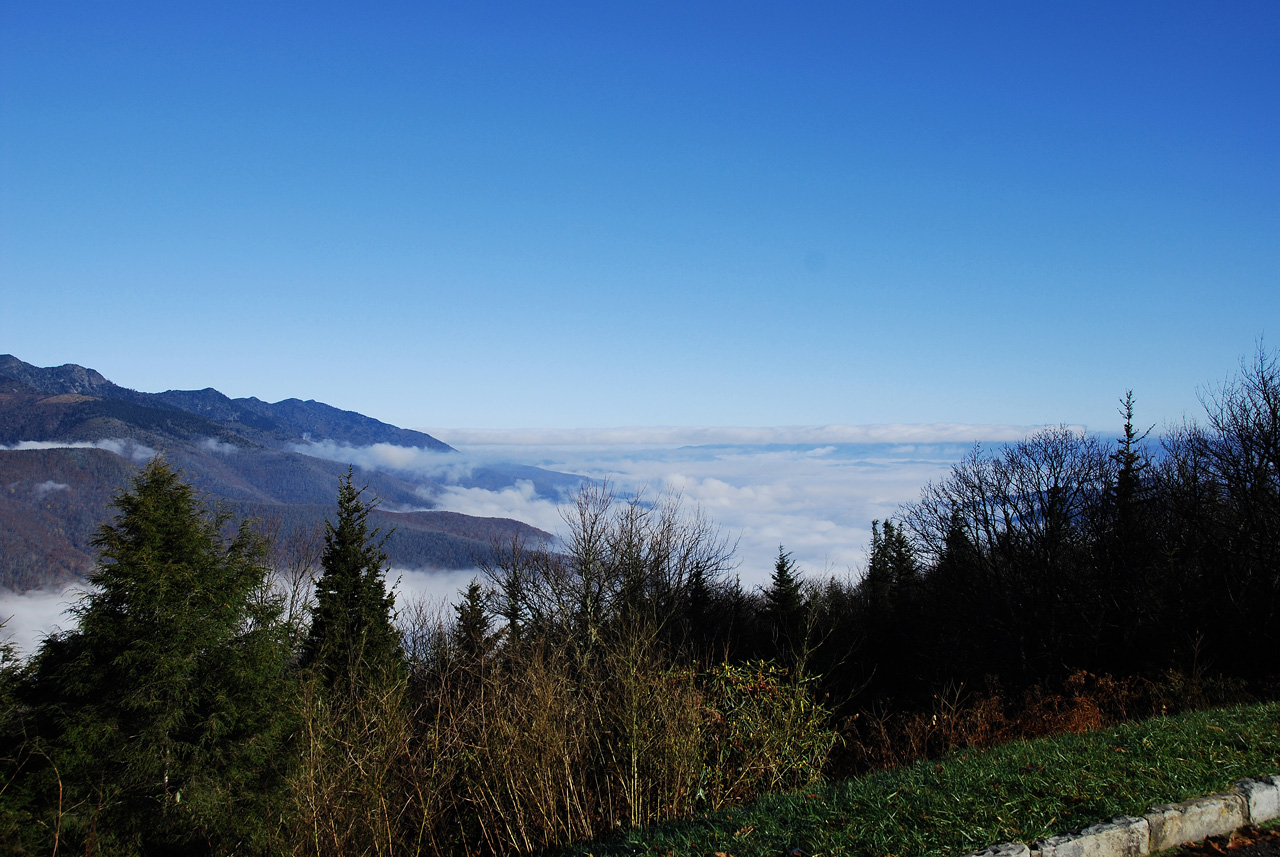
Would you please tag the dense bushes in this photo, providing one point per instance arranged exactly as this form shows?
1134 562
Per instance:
523 744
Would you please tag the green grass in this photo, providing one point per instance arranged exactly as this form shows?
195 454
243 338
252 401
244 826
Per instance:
968 800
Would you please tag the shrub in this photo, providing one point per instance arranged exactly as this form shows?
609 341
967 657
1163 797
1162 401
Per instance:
763 733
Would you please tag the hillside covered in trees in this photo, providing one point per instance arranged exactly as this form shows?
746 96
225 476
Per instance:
69 437
212 701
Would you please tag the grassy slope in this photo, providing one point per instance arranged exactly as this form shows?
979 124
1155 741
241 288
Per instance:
1021 791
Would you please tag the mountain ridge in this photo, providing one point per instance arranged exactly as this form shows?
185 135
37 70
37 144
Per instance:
70 437
289 420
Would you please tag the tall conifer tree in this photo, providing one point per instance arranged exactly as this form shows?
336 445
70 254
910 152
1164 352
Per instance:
352 637
472 632
784 606
160 716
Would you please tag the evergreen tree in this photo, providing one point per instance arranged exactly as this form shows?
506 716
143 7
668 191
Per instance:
958 597
511 608
352 637
889 594
877 586
1131 637
904 568
159 717
472 631
1129 490
15 815
784 606
737 622
698 626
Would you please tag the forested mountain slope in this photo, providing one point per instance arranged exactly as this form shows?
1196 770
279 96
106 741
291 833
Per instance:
69 438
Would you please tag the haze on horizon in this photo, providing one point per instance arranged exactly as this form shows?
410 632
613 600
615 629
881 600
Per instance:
501 216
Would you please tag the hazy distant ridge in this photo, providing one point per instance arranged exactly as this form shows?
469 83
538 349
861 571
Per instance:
69 438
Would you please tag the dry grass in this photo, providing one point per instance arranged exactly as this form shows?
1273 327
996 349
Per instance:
535 746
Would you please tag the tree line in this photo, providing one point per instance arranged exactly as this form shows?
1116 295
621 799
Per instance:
225 692
1062 552
1066 552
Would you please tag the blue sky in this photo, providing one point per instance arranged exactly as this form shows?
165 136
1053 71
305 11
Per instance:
557 215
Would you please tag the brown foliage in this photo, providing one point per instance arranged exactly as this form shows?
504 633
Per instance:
881 738
536 746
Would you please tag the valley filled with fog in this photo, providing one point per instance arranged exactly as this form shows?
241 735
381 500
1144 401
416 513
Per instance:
813 490
817 498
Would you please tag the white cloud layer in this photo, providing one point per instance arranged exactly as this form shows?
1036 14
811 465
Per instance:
816 499
442 466
30 616
218 447
519 501
812 489
430 585
702 435
124 448
33 615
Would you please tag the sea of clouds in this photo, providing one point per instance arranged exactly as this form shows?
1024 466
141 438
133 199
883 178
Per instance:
813 490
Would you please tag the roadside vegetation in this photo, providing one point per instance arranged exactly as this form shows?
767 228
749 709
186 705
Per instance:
967 800
226 692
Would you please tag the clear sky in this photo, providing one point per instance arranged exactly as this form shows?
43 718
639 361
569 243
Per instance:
646 214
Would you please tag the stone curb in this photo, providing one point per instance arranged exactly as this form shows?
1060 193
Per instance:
1163 827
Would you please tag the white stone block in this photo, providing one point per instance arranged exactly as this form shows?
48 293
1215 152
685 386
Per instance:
1262 797
1121 837
1190 821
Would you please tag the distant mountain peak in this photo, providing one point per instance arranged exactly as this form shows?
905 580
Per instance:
67 378
279 425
